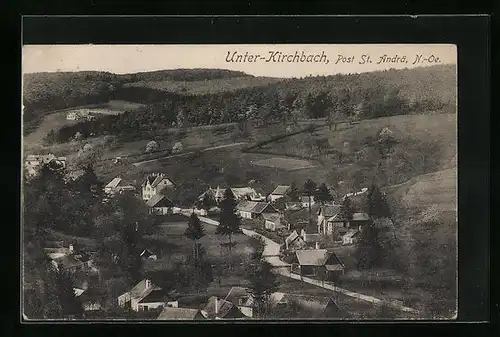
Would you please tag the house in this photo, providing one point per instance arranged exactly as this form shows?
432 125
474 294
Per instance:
319 263
33 163
240 193
71 263
257 195
160 205
177 314
304 200
350 237
154 184
118 186
136 294
326 216
311 238
337 223
252 209
91 299
218 308
148 254
273 221
158 298
279 192
242 298
309 306
77 115
294 241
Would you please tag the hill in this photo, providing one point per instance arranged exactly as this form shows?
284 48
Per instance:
187 75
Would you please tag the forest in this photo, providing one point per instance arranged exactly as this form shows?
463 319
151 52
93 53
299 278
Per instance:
359 96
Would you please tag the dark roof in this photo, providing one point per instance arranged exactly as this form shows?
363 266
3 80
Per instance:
262 206
224 308
180 314
160 201
281 190
317 257
236 293
329 210
157 295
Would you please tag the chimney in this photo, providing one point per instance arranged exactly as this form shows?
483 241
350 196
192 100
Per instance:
216 306
71 249
148 284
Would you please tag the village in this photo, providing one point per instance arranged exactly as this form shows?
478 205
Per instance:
301 230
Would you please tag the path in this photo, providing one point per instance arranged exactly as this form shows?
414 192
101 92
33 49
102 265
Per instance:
271 255
187 153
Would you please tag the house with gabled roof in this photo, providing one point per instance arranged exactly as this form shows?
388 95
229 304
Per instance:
154 184
160 205
33 163
252 209
309 306
218 308
118 186
295 241
242 298
326 216
279 192
180 314
239 193
318 263
350 237
273 221
132 297
158 298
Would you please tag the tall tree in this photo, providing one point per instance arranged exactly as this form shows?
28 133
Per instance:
346 210
70 304
309 190
263 282
195 232
323 194
229 222
377 203
294 192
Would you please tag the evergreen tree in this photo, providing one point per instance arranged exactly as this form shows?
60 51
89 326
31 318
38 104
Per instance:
294 193
229 223
323 194
263 282
195 232
207 202
377 203
129 259
70 304
309 190
346 210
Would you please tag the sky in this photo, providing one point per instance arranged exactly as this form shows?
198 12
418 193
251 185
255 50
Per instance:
121 59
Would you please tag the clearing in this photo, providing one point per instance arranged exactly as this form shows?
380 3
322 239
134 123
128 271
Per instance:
289 164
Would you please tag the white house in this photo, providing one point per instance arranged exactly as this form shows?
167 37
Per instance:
273 221
154 184
144 296
326 216
279 192
350 237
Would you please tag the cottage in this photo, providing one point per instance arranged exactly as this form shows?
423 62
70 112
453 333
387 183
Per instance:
340 225
252 209
279 192
154 184
243 299
218 308
148 254
33 163
136 294
177 314
273 221
304 200
295 241
350 237
160 205
158 298
118 186
311 238
312 306
326 216
319 263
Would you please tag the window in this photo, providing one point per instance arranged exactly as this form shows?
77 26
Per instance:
146 308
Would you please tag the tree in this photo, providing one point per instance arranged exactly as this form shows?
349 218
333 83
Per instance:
346 210
229 223
263 282
207 202
294 193
377 203
70 304
151 146
323 194
309 190
195 232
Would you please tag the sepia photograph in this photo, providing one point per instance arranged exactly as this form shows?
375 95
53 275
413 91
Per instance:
239 182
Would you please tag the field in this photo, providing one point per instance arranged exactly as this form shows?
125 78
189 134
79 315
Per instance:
206 86
288 164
